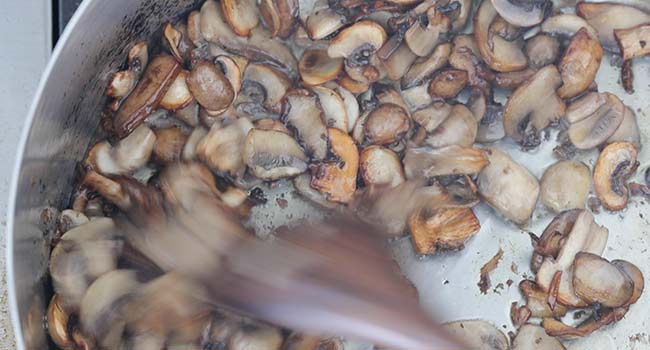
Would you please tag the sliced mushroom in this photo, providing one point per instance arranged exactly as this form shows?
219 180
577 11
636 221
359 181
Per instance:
477 103
585 106
566 25
508 187
633 42
477 334
417 96
323 22
357 42
334 112
380 167
302 113
595 123
534 106
338 179
506 30
221 149
595 280
616 163
58 326
351 106
459 128
156 79
424 34
178 95
628 131
316 67
210 87
189 150
131 153
446 229
271 124
241 15
537 301
607 17
121 84
367 73
451 160
523 13
424 68
432 116
512 80
272 155
189 115
384 93
256 337
274 83
355 87
169 145
194 29
466 56
386 124
490 128
173 39
532 337
558 329
579 64
447 83
635 275
280 16
399 62
296 341
565 185
500 54
542 50
232 69
138 57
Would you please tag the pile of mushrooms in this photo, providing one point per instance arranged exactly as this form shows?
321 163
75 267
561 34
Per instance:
382 109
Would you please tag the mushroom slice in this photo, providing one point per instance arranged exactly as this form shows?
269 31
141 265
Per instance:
537 301
464 12
458 129
104 305
302 184
251 336
432 116
121 84
351 106
356 87
157 78
210 86
316 67
366 73
523 13
635 275
399 62
334 112
387 94
169 145
633 42
579 64
565 185
616 163
628 131
280 16
189 150
221 149
138 57
417 96
323 22
272 155
566 25
542 50
512 80
381 167
446 229
241 15
424 34
558 329
271 124
302 112
386 124
131 153
178 95
194 28
596 280
232 70
58 324
500 54
490 128
466 56
189 115
338 179
606 17
477 334
534 106
274 83
173 39
296 341
447 83
450 160
424 67
477 103
585 106
357 42
508 187
532 337
595 125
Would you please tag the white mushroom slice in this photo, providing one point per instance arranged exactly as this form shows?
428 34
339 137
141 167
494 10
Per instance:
565 185
616 163
596 280
607 17
241 15
417 96
566 25
386 124
451 160
477 103
422 39
424 67
301 112
399 62
542 50
221 149
121 84
534 106
280 16
334 112
380 167
358 132
274 83
351 106
458 129
598 126
477 334
500 54
130 153
323 22
579 64
522 14
628 131
508 187
432 116
633 42
361 39
178 95
316 67
189 150
532 337
272 155
256 337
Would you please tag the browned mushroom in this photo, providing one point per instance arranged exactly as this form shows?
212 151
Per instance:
446 229
433 115
210 87
634 42
241 15
280 16
129 154
357 42
58 324
222 148
316 67
537 301
380 167
423 35
593 123
323 21
302 112
459 128
616 163
169 145
121 84
635 275
386 124
273 83
596 280
334 112
579 64
606 17
448 83
338 179
500 54
424 67
399 62
178 95
542 50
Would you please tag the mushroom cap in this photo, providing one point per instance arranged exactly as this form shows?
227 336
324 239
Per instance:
542 50
386 124
565 185
363 35
596 280
241 15
210 86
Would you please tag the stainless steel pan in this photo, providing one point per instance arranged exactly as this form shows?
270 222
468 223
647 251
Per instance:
66 111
